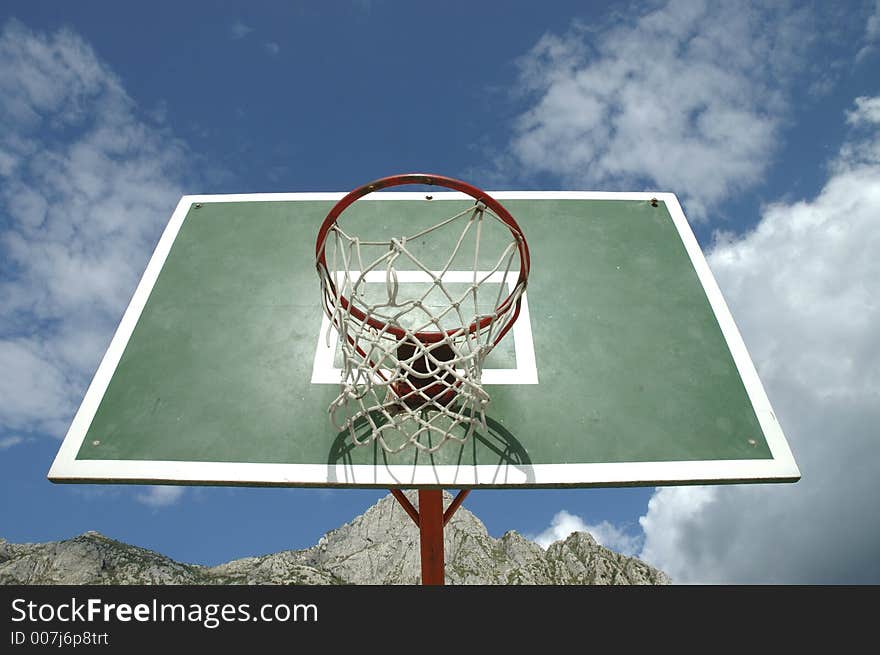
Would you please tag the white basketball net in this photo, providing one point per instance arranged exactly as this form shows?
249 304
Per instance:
403 389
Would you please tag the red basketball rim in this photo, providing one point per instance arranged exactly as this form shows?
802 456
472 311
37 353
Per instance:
431 180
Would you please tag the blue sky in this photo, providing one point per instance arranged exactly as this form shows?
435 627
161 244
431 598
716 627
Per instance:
765 122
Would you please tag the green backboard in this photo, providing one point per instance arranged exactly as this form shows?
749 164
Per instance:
625 366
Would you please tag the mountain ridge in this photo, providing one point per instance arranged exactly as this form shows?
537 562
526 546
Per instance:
381 546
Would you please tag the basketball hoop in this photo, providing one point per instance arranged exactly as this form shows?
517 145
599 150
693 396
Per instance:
413 345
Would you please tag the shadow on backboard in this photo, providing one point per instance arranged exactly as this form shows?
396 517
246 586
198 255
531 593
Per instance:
490 456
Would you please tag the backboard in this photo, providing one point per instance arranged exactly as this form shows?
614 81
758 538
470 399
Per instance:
625 366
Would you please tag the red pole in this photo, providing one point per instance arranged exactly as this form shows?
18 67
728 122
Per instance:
406 505
458 500
430 519
431 536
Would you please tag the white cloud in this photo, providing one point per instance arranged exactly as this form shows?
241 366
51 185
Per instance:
688 98
872 33
804 288
157 497
605 533
272 48
35 394
239 30
867 111
9 442
86 187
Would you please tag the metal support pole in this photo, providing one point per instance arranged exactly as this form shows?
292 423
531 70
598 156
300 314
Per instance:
430 519
431 536
458 500
406 505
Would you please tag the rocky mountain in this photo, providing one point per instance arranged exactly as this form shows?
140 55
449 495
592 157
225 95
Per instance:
379 547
